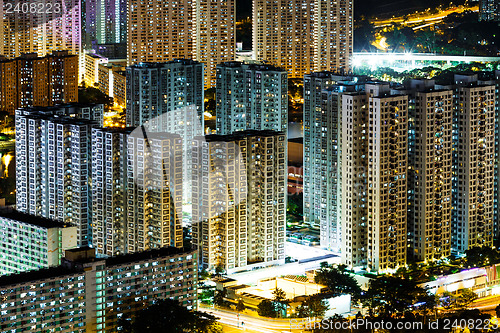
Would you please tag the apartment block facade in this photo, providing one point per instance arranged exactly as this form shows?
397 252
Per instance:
87 294
31 243
168 97
239 199
303 36
251 96
429 172
30 80
53 168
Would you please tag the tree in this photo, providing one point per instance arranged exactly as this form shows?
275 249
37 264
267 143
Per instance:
219 270
240 306
447 300
169 316
465 299
313 306
219 298
280 300
481 256
497 311
392 295
266 309
338 281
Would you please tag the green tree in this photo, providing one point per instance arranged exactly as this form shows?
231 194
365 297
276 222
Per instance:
447 300
313 306
240 306
169 316
280 300
338 281
390 295
266 309
465 299
481 256
219 297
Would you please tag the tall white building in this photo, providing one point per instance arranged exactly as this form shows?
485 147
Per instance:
251 96
303 36
220 201
103 22
429 172
353 171
168 97
322 112
387 179
473 159
136 190
154 190
373 164
239 209
53 168
109 190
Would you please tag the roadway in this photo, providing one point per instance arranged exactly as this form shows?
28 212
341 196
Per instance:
423 17
248 323
487 304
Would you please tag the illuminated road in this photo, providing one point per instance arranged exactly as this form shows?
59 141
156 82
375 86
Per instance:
7 145
251 323
423 17
486 303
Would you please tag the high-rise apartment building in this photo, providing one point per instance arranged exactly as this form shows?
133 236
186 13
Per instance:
303 36
321 129
159 31
473 161
136 190
154 190
53 168
353 174
429 172
30 243
220 201
8 85
56 28
89 294
214 35
109 190
251 96
373 170
168 97
39 81
489 10
239 199
387 179
164 30
103 22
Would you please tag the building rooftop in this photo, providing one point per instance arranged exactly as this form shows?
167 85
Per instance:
12 214
162 64
85 255
126 130
240 135
145 255
15 280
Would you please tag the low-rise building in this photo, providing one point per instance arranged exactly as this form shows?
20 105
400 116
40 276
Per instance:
30 242
88 294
